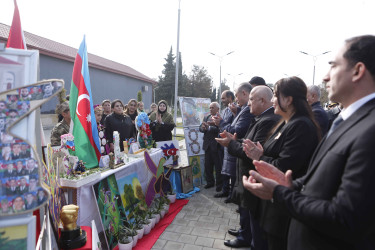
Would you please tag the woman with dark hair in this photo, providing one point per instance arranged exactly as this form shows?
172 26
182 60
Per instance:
63 126
106 106
162 123
290 146
118 121
131 111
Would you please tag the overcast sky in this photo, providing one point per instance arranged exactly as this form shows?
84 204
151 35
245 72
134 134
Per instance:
266 36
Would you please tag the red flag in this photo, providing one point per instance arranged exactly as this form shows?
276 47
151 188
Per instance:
16 38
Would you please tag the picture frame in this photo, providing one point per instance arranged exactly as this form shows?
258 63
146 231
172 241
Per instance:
18 233
187 179
18 68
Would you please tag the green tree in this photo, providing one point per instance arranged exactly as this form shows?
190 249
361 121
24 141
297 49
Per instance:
224 87
323 94
166 85
139 96
213 95
200 82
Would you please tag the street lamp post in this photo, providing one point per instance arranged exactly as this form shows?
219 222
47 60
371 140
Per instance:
315 57
220 60
234 78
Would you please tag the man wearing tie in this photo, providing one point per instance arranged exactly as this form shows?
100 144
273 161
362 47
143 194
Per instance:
332 206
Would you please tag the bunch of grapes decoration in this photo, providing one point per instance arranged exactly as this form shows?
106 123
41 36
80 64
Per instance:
144 135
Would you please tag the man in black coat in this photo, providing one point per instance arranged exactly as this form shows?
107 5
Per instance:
261 106
332 206
211 148
321 117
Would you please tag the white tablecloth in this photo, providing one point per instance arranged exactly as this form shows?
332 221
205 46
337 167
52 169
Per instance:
86 200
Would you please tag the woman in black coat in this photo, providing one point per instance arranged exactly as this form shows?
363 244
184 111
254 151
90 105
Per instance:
118 121
290 146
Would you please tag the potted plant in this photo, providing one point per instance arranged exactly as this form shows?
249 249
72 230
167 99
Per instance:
171 196
166 203
139 226
151 216
125 241
133 233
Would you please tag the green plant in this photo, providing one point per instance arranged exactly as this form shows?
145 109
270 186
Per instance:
125 234
139 96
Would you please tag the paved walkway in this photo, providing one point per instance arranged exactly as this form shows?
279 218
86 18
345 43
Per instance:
202 224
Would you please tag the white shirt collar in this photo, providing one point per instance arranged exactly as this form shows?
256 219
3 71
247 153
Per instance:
347 112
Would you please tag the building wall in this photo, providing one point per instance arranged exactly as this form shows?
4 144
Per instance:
104 85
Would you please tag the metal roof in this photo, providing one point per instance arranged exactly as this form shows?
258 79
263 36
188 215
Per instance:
64 52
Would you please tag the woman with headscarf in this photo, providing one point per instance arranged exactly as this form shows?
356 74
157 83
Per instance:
162 123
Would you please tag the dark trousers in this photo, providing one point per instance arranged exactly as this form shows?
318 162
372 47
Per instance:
250 230
228 184
213 159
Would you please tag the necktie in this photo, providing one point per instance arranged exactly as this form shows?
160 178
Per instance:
335 124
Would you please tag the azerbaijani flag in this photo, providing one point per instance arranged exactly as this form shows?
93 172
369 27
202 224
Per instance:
85 131
16 38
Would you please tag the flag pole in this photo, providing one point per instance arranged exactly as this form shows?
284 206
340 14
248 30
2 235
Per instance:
177 66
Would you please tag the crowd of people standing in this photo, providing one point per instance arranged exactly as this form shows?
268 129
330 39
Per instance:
300 175
115 116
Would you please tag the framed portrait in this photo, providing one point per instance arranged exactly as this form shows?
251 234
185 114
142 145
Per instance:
187 179
18 68
18 233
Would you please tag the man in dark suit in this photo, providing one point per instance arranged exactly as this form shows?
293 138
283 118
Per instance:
239 125
321 117
332 206
261 106
210 146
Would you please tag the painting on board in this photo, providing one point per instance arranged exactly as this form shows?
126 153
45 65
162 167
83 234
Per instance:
111 209
131 194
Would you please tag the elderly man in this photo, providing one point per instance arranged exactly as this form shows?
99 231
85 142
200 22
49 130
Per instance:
313 98
239 125
332 206
211 148
261 106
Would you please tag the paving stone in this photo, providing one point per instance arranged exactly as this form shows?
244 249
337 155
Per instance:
171 245
204 241
209 248
216 234
192 217
225 228
183 229
221 221
187 238
180 215
171 228
219 244
233 222
216 213
192 247
182 222
159 244
232 216
200 232
170 236
201 212
206 219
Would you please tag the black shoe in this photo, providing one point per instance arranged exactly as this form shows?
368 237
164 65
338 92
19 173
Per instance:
233 232
236 243
228 200
219 188
220 195
209 186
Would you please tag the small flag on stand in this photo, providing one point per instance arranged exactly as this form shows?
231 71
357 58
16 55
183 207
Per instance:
16 39
85 131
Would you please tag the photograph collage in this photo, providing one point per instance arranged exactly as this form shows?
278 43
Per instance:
19 174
